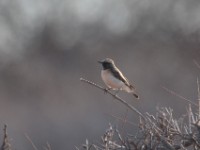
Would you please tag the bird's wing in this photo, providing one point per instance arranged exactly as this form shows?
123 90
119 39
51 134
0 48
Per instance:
117 74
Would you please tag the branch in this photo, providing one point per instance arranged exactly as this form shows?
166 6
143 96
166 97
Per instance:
29 139
6 145
179 96
115 96
198 98
196 63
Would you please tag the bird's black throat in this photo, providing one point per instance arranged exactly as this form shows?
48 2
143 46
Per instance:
107 65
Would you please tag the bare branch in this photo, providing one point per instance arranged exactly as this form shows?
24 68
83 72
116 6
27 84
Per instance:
190 119
179 96
196 63
29 139
198 90
6 145
115 96
121 119
48 146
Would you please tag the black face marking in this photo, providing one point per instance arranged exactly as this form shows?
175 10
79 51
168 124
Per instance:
107 65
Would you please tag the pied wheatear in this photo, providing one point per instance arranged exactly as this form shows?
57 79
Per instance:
114 79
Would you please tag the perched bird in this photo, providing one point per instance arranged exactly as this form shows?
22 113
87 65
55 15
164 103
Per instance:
114 78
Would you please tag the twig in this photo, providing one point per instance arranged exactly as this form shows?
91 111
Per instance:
121 119
190 119
166 144
196 63
123 143
124 121
115 96
198 97
6 145
48 146
76 148
179 96
29 139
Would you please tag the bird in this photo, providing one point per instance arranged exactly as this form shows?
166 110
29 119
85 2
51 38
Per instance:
114 79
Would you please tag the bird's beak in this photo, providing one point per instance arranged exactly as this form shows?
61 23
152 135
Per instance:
100 61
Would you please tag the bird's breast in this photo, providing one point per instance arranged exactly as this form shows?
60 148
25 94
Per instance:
110 80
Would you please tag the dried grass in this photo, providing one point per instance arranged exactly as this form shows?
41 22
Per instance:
161 131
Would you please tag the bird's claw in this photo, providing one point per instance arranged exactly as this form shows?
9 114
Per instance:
106 90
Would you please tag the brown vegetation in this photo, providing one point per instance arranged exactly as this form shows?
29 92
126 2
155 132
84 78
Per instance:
161 131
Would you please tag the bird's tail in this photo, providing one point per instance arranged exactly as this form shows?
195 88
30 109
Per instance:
133 91
136 96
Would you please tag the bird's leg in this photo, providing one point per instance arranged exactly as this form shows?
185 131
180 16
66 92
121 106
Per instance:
117 92
107 89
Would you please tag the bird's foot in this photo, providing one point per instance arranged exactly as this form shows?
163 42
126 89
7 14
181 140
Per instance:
106 90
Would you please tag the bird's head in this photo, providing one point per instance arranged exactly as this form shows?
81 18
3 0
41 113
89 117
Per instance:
107 63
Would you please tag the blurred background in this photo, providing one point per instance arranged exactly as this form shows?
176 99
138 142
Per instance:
46 46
